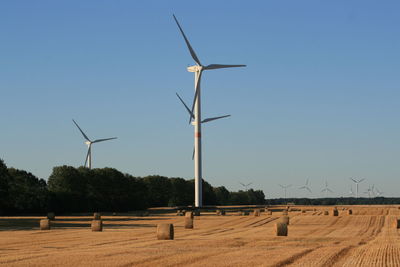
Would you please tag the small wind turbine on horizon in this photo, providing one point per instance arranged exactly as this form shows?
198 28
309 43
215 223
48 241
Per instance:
357 182
326 189
351 193
88 142
195 114
306 186
285 187
378 192
245 185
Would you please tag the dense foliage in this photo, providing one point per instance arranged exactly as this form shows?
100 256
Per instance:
70 189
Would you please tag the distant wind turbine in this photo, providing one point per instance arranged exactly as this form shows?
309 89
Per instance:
306 186
378 192
245 185
88 160
351 193
357 182
195 114
285 187
326 189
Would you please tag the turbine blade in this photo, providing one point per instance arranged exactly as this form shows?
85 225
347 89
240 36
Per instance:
214 118
309 190
187 108
329 190
196 93
220 66
101 140
353 180
87 155
84 135
361 180
193 154
192 53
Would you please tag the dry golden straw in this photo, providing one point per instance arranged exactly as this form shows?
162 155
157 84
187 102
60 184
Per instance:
349 212
326 212
396 223
96 216
335 212
165 231
256 212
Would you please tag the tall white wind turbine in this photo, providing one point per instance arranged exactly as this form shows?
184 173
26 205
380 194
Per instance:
326 189
88 142
306 186
195 114
357 182
285 187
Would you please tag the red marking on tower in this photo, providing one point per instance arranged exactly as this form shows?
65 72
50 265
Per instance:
197 135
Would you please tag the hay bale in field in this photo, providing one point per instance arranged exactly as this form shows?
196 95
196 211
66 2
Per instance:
189 214
188 222
303 210
396 223
51 216
220 212
245 213
349 212
281 229
165 231
268 212
285 219
326 212
196 213
284 212
335 212
45 224
96 216
256 212
97 226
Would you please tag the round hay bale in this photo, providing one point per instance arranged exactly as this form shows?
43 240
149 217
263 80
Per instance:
285 219
220 212
245 213
396 223
189 214
268 212
196 213
284 212
96 216
281 229
303 210
256 212
188 222
165 231
97 226
349 212
326 212
335 212
51 216
45 224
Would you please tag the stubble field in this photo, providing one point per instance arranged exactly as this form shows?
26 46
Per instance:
366 238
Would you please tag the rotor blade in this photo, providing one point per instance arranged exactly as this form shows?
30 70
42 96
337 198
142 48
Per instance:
101 140
309 190
196 93
215 118
87 155
353 180
84 135
361 180
220 66
242 184
187 108
192 53
329 190
193 154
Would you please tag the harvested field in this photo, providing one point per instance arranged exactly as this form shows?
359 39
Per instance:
366 238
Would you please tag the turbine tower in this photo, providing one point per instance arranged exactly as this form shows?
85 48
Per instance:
88 160
357 182
326 189
285 187
195 114
306 186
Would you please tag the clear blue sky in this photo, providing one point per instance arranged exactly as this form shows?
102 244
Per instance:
319 98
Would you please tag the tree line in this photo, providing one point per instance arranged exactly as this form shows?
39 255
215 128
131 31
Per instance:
70 189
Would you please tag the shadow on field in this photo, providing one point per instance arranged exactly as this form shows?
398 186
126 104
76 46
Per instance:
7 224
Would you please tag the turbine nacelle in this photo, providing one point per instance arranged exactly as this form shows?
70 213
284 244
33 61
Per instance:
88 143
195 68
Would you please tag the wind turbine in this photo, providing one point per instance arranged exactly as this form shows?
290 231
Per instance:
351 193
326 189
306 186
369 191
245 185
357 182
285 187
88 160
378 193
195 114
